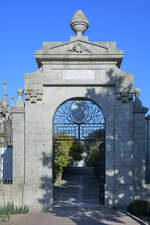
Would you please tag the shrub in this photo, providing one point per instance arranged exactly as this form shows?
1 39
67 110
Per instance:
65 153
7 210
95 143
94 154
138 208
61 158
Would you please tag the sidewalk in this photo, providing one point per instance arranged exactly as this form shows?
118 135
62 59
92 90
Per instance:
102 216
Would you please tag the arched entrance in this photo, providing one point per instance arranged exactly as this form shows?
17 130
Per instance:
79 134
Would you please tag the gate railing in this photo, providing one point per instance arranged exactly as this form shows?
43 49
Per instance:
6 151
81 131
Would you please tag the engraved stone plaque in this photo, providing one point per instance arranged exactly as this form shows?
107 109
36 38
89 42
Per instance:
78 75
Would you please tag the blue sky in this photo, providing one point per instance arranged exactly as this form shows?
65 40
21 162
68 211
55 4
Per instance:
24 25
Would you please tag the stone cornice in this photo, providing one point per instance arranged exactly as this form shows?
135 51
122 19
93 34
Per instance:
115 58
138 108
79 50
124 96
18 110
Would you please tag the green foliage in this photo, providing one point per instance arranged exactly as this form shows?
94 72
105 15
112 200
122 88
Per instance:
9 209
65 153
93 154
76 151
94 149
139 208
61 157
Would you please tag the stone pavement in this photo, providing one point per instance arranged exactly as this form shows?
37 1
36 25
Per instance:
103 216
77 189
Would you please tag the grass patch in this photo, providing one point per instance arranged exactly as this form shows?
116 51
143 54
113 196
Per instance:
9 209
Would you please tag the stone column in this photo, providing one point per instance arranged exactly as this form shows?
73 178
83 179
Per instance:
139 138
148 149
18 140
123 155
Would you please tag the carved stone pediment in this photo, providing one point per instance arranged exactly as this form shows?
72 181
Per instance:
75 47
79 48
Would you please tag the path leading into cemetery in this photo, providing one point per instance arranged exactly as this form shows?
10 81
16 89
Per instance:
76 203
77 190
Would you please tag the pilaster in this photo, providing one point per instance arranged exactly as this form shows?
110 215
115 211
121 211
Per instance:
139 138
18 140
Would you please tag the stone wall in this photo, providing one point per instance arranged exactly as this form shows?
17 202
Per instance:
148 150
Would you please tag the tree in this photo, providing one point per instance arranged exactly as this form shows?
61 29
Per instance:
95 145
67 150
76 151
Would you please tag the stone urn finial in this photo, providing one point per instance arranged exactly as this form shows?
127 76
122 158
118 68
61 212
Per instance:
79 23
137 92
20 102
5 95
12 101
20 93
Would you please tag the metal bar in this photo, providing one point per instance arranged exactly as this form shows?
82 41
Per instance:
72 123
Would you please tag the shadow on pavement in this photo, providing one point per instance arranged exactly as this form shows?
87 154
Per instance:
95 217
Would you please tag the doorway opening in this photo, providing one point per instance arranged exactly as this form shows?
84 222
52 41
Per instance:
78 153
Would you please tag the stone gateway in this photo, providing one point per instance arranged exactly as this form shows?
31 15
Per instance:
78 69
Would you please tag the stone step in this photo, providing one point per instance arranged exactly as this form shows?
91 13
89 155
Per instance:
83 206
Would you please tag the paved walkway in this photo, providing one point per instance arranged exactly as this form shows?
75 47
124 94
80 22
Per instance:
75 189
71 195
102 216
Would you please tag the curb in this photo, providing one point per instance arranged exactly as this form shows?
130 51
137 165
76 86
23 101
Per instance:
137 219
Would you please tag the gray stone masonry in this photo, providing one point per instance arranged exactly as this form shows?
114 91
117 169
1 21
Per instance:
71 70
148 149
18 141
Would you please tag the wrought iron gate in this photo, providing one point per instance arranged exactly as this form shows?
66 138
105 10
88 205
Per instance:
83 120
80 119
6 150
